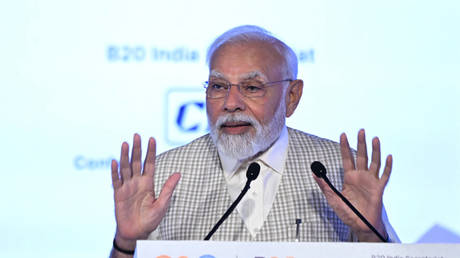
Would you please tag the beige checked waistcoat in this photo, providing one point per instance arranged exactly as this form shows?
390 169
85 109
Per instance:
202 197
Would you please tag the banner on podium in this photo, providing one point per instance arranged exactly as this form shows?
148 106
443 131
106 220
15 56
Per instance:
218 249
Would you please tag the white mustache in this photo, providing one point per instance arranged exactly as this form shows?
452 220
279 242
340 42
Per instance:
232 118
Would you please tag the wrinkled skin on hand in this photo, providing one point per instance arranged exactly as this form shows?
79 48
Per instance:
137 211
362 186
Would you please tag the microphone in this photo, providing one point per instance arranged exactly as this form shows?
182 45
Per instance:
320 171
251 174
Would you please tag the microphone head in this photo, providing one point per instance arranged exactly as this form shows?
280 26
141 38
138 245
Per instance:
253 171
319 169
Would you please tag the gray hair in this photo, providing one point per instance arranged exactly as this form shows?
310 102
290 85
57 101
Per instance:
247 33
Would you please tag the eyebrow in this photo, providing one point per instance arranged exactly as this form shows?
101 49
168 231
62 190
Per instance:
247 76
217 75
253 75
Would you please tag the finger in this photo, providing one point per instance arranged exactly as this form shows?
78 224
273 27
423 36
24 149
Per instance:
375 162
327 191
168 189
125 168
136 156
347 157
116 182
361 155
149 163
387 170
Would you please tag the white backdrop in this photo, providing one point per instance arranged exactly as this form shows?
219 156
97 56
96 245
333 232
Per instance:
79 77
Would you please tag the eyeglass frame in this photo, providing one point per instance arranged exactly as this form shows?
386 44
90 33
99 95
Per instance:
238 86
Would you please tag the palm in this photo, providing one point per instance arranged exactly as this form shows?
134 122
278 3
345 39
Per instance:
362 186
134 203
360 189
137 211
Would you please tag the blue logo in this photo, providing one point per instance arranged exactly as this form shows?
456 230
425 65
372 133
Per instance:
183 115
186 115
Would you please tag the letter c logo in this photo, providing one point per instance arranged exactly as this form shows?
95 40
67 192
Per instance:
183 114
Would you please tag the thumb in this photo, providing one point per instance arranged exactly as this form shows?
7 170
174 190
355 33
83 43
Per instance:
168 189
327 191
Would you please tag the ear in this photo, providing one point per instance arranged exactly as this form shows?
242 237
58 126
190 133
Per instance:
293 95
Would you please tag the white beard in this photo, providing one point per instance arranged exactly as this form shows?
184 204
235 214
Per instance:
245 146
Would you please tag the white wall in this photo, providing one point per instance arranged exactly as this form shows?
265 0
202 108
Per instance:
68 100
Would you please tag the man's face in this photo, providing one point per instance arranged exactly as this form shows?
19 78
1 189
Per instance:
242 126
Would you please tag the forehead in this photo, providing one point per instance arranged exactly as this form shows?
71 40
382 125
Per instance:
241 60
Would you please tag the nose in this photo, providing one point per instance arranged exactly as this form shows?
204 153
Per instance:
234 100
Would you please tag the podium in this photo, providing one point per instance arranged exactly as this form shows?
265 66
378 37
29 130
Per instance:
220 249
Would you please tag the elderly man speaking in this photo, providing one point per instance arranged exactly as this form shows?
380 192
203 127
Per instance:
252 88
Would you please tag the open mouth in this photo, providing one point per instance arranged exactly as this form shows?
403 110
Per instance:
235 124
235 127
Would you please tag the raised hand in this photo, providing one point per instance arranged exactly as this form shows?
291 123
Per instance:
137 211
362 186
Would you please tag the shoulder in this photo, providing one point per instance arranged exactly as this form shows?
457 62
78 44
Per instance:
198 155
196 148
304 148
311 143
197 162
201 144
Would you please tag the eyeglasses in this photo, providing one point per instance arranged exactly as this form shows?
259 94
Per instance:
217 89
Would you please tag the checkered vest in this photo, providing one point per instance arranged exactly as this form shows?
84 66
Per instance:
202 197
